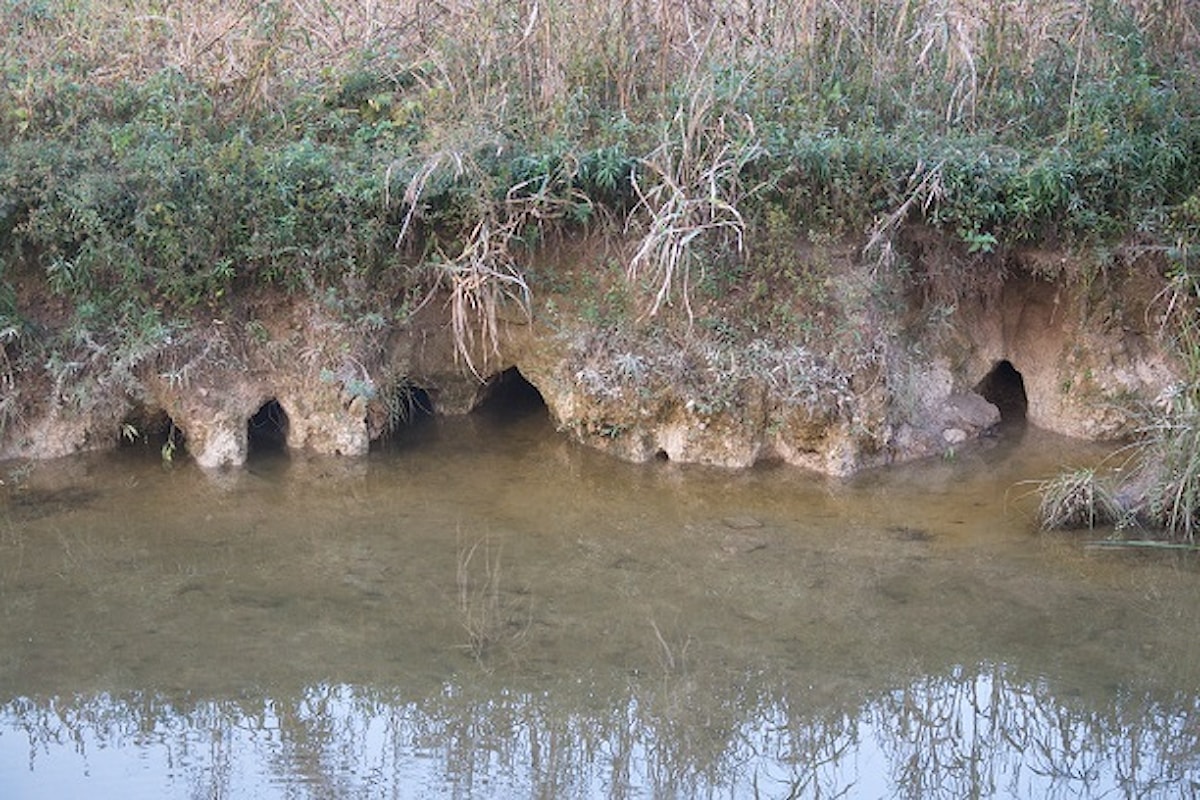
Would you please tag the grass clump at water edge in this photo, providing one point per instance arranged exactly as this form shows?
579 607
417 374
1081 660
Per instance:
1168 452
1172 452
1078 498
1158 481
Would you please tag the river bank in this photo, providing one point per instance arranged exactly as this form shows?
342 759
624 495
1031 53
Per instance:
920 221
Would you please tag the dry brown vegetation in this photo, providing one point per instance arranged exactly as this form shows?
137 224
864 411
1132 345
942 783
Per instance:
541 50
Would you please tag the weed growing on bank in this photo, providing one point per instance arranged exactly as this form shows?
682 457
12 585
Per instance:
1168 451
181 156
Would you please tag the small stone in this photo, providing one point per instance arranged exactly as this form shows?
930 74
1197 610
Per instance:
742 522
741 543
954 435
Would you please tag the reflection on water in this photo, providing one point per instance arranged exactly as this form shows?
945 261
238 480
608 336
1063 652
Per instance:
965 734
486 611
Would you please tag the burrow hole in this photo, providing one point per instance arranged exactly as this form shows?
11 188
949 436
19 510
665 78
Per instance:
508 397
150 428
1004 388
266 431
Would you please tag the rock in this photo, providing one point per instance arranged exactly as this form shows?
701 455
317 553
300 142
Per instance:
954 435
901 390
742 542
969 412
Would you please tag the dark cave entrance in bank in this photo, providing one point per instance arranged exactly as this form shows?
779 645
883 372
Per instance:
1004 387
508 397
266 431
153 429
411 407
405 415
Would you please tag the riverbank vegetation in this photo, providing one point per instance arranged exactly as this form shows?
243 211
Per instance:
167 161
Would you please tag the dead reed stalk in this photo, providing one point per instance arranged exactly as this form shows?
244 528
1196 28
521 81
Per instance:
488 623
689 192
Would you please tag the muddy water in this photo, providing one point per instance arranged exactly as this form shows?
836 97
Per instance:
483 610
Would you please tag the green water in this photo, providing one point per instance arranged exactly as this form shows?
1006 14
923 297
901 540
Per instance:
484 610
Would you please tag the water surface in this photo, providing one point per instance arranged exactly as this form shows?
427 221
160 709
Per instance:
484 610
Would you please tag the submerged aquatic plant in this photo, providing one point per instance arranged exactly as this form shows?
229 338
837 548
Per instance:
488 621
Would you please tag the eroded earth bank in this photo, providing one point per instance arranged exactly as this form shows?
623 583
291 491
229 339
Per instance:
829 363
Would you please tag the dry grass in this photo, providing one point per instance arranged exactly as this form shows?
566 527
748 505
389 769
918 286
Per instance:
1077 499
480 274
488 620
481 279
540 49
245 49
690 191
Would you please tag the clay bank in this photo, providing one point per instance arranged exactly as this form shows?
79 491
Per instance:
832 365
